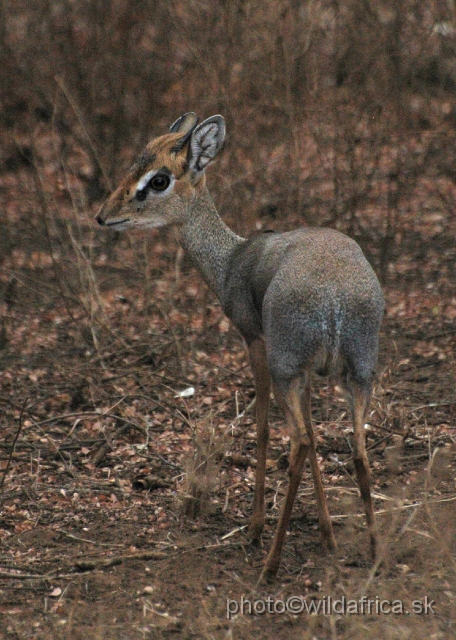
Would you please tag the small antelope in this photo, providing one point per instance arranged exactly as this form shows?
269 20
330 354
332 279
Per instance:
305 300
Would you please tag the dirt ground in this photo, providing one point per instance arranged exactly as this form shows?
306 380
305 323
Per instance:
125 393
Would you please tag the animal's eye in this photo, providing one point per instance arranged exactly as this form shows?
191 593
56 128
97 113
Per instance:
159 182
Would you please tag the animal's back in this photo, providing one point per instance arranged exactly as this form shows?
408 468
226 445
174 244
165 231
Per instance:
312 294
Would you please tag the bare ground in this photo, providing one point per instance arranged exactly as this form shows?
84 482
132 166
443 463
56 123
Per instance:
99 454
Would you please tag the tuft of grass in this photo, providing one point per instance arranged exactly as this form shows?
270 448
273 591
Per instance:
202 469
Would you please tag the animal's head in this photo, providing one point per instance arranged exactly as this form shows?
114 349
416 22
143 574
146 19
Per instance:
157 190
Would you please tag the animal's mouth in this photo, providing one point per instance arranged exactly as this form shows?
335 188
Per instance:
114 223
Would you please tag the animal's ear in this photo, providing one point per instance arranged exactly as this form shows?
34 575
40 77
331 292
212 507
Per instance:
185 123
206 141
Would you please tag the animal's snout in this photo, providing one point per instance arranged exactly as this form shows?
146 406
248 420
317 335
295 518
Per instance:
100 217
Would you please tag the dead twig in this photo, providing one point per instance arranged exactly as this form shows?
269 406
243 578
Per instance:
19 429
83 566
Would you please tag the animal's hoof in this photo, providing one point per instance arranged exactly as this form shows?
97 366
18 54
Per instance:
254 533
331 544
268 575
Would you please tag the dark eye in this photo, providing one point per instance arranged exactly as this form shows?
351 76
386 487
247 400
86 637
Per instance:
159 182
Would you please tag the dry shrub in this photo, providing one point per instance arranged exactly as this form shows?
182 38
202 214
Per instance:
202 469
314 94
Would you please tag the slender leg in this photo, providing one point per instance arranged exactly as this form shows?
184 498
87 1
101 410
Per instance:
360 400
259 364
323 513
300 445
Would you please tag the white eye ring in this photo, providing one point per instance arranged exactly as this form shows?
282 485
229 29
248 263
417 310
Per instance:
142 184
146 179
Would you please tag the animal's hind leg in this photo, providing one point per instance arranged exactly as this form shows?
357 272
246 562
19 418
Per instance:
359 396
323 513
290 402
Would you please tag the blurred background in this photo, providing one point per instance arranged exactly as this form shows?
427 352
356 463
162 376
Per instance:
339 113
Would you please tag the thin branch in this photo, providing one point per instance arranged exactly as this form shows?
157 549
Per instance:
19 429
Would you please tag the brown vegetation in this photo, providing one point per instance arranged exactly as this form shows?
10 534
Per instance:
340 114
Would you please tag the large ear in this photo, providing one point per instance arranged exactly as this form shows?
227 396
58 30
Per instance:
185 123
206 141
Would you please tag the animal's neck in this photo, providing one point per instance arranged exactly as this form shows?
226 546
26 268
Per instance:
209 241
